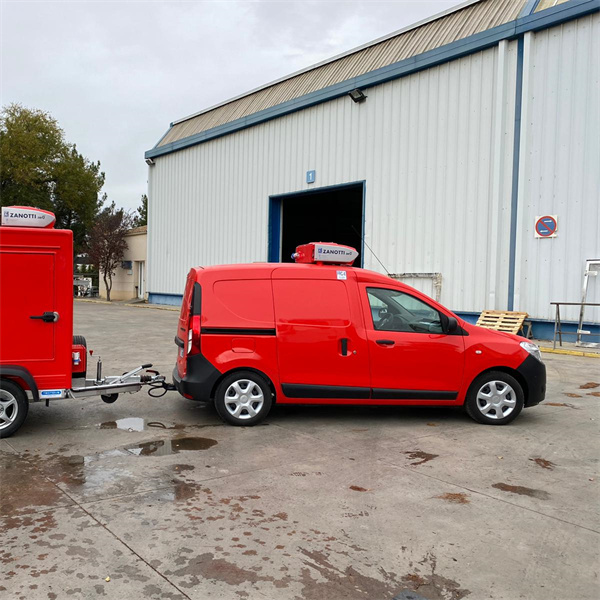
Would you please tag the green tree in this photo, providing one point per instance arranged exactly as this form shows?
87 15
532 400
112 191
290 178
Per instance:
39 168
142 213
107 243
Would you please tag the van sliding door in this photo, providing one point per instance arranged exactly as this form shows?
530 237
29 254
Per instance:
322 353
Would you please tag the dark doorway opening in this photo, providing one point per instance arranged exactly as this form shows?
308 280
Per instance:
328 215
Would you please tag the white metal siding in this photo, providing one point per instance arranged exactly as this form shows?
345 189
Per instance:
560 167
434 149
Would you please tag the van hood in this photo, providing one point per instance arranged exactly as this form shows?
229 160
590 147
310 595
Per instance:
492 333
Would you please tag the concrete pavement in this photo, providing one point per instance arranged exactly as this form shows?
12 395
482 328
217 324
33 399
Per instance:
156 498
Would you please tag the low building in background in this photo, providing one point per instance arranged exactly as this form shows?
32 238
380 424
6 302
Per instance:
129 281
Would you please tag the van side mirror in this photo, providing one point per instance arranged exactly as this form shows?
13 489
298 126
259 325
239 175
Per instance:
452 325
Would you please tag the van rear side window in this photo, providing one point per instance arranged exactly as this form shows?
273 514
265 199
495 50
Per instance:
242 303
312 302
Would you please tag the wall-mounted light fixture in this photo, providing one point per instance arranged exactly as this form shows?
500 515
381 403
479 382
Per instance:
357 95
150 162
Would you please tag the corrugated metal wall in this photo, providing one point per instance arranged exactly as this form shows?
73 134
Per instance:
560 167
435 151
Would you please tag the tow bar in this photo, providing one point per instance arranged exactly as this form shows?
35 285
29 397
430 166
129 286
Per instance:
109 388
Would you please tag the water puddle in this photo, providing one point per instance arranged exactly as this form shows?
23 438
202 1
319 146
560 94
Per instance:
167 447
138 424
80 470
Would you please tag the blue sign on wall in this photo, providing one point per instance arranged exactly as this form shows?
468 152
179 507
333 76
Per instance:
311 176
546 226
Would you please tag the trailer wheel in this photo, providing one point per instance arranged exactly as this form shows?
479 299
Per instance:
13 407
243 398
79 340
109 398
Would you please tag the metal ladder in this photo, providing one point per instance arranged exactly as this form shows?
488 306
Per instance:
592 266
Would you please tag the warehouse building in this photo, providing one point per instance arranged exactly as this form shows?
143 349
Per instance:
461 154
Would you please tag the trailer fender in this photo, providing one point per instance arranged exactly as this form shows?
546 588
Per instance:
17 372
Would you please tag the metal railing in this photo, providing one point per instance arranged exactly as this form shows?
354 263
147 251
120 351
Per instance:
558 324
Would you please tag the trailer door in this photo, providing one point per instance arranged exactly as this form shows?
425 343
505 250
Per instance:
27 283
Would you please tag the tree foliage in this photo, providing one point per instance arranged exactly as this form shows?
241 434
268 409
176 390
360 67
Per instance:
107 242
142 213
39 168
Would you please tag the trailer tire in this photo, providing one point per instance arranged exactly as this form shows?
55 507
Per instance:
13 407
109 398
79 340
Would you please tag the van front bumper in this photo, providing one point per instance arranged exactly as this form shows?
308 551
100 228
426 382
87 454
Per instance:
199 381
533 372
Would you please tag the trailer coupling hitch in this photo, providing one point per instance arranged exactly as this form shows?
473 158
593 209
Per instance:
109 388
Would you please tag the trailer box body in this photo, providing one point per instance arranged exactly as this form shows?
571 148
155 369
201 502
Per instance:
36 307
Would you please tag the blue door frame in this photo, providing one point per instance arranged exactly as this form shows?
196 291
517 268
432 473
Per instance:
275 203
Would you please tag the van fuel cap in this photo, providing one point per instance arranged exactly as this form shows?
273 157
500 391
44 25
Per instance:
325 252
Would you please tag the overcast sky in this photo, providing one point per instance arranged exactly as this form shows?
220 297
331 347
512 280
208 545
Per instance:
115 73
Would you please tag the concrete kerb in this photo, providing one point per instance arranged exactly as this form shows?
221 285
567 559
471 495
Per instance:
570 352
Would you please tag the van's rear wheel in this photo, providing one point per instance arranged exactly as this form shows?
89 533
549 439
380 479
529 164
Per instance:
13 407
243 398
494 398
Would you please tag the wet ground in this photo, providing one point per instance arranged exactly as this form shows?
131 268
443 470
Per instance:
155 498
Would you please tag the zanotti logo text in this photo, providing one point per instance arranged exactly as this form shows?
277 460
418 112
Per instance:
13 215
335 251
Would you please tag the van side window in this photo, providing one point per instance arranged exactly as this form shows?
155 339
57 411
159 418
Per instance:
320 303
393 310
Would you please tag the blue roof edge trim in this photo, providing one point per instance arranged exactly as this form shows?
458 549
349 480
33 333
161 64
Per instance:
529 8
469 45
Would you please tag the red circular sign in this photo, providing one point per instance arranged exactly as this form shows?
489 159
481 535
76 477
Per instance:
546 226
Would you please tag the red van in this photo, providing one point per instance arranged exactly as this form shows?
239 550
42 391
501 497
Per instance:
323 332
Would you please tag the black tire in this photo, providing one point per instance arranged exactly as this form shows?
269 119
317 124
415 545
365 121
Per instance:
109 398
14 415
79 340
254 396
479 409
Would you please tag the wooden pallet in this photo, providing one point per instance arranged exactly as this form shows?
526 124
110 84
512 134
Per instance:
502 320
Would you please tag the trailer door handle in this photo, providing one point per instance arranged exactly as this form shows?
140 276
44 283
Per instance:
385 342
47 317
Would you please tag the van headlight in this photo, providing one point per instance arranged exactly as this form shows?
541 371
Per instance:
532 349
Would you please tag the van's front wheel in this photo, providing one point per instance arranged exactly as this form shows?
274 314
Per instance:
243 398
494 398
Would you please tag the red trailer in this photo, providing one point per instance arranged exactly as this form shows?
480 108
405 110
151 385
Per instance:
40 359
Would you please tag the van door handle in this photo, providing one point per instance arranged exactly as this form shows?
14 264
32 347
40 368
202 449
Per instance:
385 342
47 317
344 342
